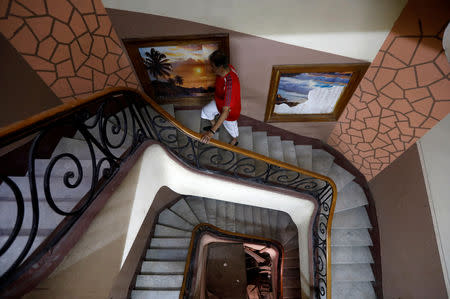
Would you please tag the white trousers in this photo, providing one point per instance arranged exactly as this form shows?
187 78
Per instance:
210 111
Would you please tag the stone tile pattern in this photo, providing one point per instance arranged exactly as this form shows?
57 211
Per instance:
404 93
70 43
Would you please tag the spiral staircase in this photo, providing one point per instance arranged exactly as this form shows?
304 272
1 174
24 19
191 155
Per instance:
352 275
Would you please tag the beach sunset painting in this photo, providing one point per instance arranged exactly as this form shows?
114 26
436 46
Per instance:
181 70
310 93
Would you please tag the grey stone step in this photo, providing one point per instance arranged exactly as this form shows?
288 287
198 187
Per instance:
166 254
211 210
16 248
321 161
169 218
154 294
260 143
288 233
351 255
231 217
57 188
352 196
162 267
169 108
245 138
292 243
163 231
304 156
248 216
239 219
265 225
350 237
62 166
159 281
354 218
198 207
340 176
182 209
189 118
170 243
221 214
282 222
48 219
289 155
257 227
352 272
275 148
273 220
352 290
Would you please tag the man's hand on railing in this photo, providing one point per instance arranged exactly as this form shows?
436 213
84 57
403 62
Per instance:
206 137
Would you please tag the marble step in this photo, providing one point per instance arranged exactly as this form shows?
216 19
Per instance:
350 197
257 221
211 210
245 138
354 218
261 143
182 209
350 237
352 290
230 222
265 224
162 267
321 161
304 156
159 281
154 294
163 231
221 214
351 255
63 166
273 220
275 148
340 176
197 206
80 149
169 218
239 218
166 254
352 272
289 154
57 188
189 118
169 243
248 216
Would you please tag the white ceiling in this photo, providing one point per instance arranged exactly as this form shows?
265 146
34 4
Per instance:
352 28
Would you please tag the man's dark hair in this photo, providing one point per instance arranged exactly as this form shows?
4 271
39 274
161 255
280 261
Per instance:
218 58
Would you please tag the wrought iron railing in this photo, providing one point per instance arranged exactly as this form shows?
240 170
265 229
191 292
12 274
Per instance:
108 129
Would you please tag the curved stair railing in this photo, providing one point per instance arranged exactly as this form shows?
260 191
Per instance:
113 124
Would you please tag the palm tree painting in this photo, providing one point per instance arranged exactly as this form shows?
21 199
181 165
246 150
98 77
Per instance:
180 71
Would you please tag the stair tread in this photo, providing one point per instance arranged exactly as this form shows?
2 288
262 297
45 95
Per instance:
221 214
340 176
304 156
182 209
260 143
154 294
198 207
245 138
230 222
321 161
169 243
211 210
351 255
166 254
275 148
169 218
165 231
159 281
189 119
172 267
257 221
352 196
352 272
352 290
350 237
289 155
169 108
353 218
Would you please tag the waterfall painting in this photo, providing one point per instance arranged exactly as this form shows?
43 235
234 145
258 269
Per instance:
176 70
311 92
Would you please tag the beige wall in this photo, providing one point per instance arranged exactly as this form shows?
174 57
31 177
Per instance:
252 56
409 254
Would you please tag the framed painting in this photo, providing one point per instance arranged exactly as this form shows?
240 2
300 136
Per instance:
176 69
300 93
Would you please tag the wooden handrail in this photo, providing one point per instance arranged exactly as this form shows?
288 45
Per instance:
62 110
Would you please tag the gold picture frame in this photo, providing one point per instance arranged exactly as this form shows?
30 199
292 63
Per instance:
311 93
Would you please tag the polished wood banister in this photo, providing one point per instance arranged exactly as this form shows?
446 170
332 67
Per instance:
64 109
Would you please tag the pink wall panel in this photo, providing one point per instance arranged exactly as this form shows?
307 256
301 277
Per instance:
405 92
70 44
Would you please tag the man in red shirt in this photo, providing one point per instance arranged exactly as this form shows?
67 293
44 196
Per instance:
227 99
